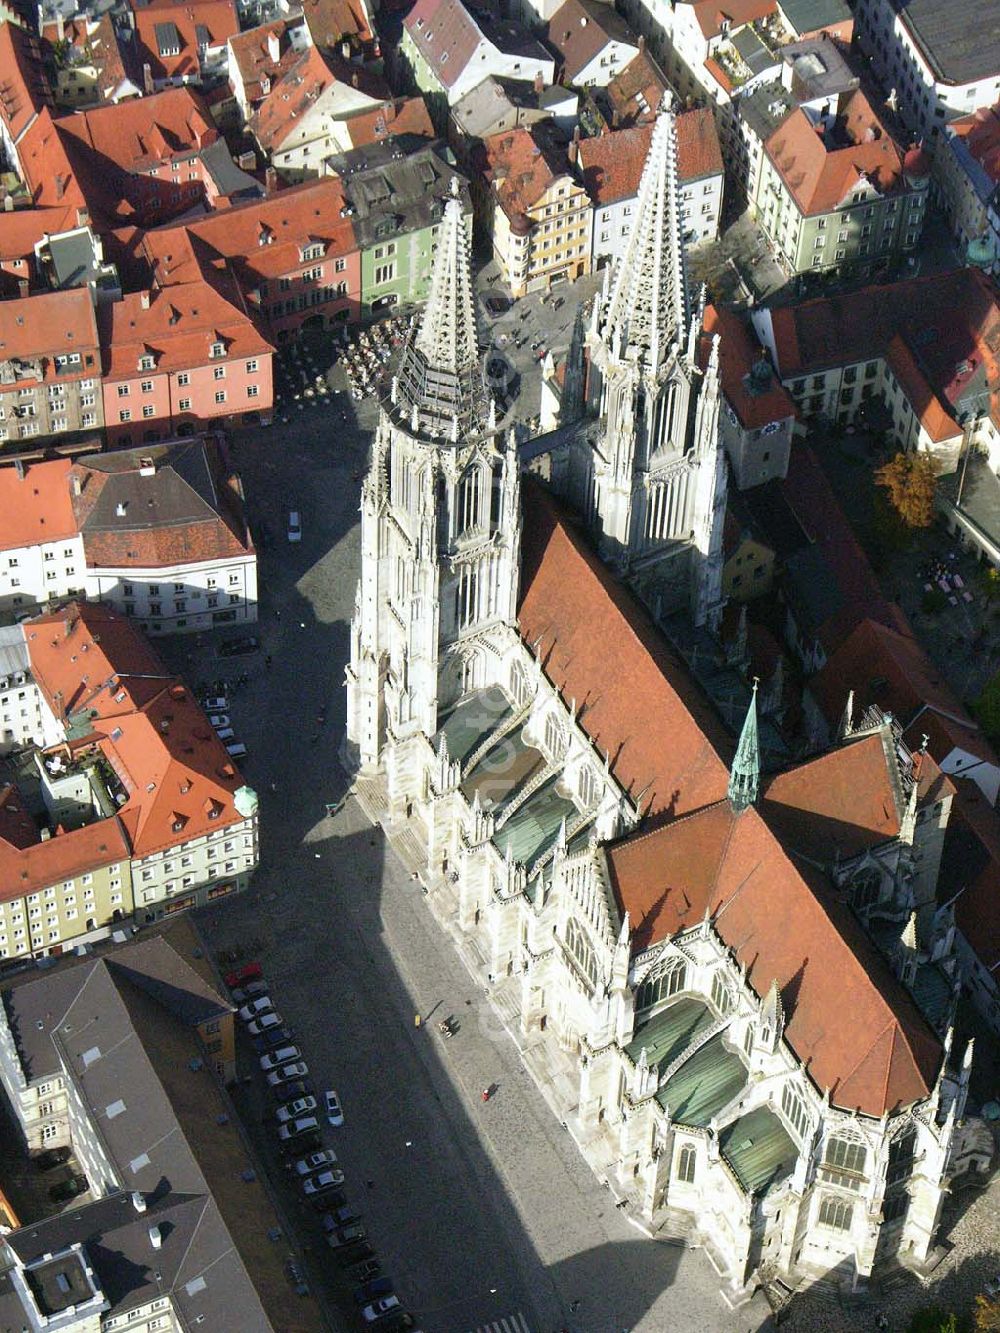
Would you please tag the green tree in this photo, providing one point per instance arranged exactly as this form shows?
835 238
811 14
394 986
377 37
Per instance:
910 480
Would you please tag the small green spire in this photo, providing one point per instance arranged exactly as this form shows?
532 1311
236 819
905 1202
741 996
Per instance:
744 777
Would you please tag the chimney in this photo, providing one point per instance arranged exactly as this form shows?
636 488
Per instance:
138 1202
155 1239
77 484
60 186
539 83
144 300
345 50
641 43
20 468
60 28
22 287
573 150
147 80
83 217
274 47
271 181
354 80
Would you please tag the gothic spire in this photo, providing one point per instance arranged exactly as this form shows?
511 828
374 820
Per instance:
647 311
744 778
439 385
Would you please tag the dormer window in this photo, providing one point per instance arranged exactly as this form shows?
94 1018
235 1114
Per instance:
217 349
312 251
147 362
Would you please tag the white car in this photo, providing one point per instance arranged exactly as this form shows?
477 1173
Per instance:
219 720
307 1124
323 1183
297 1069
217 705
294 526
334 1113
379 1309
316 1161
265 1023
282 1056
301 1106
256 1007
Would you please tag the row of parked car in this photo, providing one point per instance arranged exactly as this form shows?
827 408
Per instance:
217 708
299 1113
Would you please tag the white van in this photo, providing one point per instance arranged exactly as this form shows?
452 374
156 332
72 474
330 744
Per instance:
237 750
294 526
225 733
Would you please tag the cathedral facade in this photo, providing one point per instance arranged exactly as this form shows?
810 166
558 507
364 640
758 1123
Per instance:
739 985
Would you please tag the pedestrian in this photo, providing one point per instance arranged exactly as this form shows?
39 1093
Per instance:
267 661
277 613
417 1020
486 1094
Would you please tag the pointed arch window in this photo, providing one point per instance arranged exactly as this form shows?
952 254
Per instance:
579 946
588 786
687 1161
555 736
668 980
722 996
518 683
470 500
844 1163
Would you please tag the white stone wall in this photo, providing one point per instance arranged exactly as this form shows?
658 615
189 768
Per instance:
227 854
180 598
31 575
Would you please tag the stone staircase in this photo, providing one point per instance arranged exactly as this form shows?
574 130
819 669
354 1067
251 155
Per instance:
373 796
409 847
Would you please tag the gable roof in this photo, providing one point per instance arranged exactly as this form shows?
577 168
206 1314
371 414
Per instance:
24 87
301 85
399 118
522 164
739 351
820 174
664 743
330 21
250 51
47 325
635 93
446 35
783 923
161 28
36 506
581 29
611 164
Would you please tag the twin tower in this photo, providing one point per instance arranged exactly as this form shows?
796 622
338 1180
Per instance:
440 505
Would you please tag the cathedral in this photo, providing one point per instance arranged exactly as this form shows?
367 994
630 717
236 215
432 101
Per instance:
738 984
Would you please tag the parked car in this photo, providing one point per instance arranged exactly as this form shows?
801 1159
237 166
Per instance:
294 526
219 720
295 1069
304 1106
396 1321
323 1183
287 1092
226 734
218 704
344 1236
236 749
345 1214
243 994
366 1269
273 1037
51 1157
380 1308
306 1166
305 1124
349 1255
283 1055
308 1141
333 1111
260 1004
68 1189
239 647
266 1021
368 1291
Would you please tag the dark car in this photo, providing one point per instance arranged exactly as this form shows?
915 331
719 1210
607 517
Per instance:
288 1092
368 1291
239 647
497 305
345 1214
273 1037
353 1254
68 1189
303 1144
248 972
349 1235
241 994
365 1270
51 1157
397 1319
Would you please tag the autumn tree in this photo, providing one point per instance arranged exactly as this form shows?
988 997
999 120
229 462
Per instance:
910 480
987 1315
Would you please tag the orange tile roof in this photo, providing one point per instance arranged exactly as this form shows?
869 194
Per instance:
819 178
179 327
251 51
522 164
25 89
36 507
664 742
698 151
310 75
981 133
54 180
580 30
736 12
89 661
738 351
27 863
20 230
612 163
283 221
217 17
50 324
330 21
939 424
140 132
403 115
783 923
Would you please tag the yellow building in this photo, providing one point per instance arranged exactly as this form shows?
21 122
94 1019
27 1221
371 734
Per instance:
538 217
748 571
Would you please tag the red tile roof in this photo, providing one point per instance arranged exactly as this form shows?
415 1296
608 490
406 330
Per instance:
250 52
25 88
440 28
698 151
217 17
612 163
27 863
142 132
262 238
820 177
403 115
783 923
936 420
330 21
88 659
36 507
736 13
521 165
179 327
47 325
635 94
305 80
981 133
739 350
664 742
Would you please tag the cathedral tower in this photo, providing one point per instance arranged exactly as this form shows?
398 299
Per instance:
656 482
440 523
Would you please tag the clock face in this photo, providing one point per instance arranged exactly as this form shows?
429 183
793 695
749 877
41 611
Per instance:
770 428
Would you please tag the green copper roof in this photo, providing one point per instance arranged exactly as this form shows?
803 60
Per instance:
667 1033
533 828
759 1149
471 721
704 1084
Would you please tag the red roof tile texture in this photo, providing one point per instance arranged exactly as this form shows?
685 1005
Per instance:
664 743
635 94
36 507
580 30
612 163
522 164
47 325
25 86
784 924
443 28
739 350
217 18
403 115
330 21
981 132
253 54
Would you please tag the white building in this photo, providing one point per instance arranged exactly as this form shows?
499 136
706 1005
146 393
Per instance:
935 62
671 932
593 41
